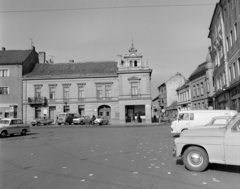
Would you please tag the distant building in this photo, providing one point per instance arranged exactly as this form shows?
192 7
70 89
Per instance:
168 95
118 90
155 107
184 97
225 41
201 85
13 65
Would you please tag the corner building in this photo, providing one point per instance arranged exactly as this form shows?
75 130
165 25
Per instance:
118 89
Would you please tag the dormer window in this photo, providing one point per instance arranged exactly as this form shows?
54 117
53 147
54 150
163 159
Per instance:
135 63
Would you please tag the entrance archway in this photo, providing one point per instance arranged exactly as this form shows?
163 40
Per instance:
105 111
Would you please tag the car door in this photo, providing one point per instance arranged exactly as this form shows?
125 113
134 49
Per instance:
13 127
21 126
232 144
183 122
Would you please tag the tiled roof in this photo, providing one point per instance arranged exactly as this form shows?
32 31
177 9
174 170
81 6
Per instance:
200 68
13 56
86 69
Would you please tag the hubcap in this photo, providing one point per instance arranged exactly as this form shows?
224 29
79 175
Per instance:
195 159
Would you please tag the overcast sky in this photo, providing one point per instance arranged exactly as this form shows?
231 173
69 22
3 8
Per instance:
171 38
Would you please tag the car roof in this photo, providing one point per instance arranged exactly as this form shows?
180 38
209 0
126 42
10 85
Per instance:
11 119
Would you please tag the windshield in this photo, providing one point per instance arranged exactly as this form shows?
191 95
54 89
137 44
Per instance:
4 122
231 121
62 115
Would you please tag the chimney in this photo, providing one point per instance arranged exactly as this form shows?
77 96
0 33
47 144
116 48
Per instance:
71 61
3 48
42 57
33 48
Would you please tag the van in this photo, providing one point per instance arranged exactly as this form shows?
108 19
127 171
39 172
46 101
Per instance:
66 118
193 118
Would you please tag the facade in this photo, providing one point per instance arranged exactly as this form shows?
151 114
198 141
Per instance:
168 95
224 34
118 90
201 85
184 97
13 65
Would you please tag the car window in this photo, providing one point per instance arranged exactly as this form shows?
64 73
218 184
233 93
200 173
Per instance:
191 116
236 127
4 122
183 116
231 121
219 122
13 122
62 115
19 121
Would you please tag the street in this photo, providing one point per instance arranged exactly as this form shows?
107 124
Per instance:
103 157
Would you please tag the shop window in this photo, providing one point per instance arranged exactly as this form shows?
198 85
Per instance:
66 108
37 112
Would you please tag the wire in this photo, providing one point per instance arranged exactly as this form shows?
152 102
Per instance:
101 8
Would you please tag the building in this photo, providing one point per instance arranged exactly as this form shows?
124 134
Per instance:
184 97
168 95
201 85
13 65
224 34
155 109
118 89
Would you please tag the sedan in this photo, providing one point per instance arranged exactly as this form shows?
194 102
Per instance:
101 120
11 126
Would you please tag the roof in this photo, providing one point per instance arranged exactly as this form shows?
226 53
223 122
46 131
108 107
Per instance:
13 56
86 69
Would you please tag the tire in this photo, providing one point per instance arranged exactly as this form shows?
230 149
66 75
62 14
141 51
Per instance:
184 130
24 132
81 123
38 124
4 134
59 123
195 159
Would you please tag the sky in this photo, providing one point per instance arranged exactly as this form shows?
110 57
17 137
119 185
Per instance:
172 35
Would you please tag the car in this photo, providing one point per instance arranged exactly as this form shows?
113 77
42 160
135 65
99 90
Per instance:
11 126
82 120
101 120
219 121
66 118
199 147
42 120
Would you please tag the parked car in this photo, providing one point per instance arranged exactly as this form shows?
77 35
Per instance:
101 120
199 147
42 120
11 126
82 120
192 118
66 118
219 121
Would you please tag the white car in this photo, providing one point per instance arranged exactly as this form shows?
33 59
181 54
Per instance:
101 120
11 126
81 120
220 121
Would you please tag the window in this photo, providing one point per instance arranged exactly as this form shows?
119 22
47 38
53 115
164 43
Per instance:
52 92
4 90
227 44
194 91
230 74
134 88
66 90
235 31
108 91
4 73
183 116
231 38
38 91
208 85
228 8
236 127
234 71
238 66
202 89
99 91
81 91
198 91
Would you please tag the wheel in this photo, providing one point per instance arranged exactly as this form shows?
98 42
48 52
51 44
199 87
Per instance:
93 123
38 124
11 134
195 159
33 124
24 132
59 123
81 123
4 134
184 130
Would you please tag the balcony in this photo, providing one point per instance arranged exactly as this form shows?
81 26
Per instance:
37 100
